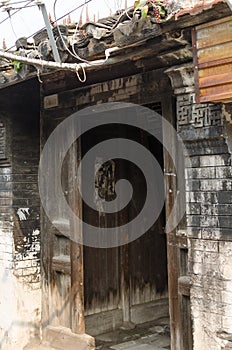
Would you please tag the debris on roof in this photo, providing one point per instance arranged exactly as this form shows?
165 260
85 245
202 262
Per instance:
77 42
197 8
92 38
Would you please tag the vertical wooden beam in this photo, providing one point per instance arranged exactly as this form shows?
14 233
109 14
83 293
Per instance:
46 246
195 63
172 248
77 289
125 283
124 258
76 248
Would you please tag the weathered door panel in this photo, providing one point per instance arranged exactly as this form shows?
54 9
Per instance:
118 282
101 279
123 278
62 257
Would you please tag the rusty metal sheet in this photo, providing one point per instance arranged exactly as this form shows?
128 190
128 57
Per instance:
212 47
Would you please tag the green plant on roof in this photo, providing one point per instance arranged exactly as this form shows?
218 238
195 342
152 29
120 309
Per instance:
155 9
17 66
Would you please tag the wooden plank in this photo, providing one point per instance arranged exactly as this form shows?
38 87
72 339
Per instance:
187 323
63 286
76 248
62 264
215 80
150 311
102 322
172 249
195 63
125 283
124 257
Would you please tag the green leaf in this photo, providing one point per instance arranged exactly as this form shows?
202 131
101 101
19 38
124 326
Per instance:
136 4
17 66
139 4
162 11
144 11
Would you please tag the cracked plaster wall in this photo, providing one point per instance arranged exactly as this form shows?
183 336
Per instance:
20 295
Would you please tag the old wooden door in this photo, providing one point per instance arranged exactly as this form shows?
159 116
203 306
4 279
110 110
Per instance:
110 286
128 283
62 253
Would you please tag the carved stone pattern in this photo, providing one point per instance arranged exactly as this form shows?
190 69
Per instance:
2 141
197 115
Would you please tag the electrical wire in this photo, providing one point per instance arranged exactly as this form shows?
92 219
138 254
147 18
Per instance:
99 62
107 4
77 26
63 16
74 54
75 32
14 3
14 13
21 8
62 39
84 65
11 24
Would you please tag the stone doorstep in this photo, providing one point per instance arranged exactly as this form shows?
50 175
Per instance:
36 344
61 338
39 347
134 345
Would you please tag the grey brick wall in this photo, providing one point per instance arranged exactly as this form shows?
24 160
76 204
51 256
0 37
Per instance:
20 294
26 203
209 219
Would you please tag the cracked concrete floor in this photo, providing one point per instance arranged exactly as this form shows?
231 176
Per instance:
148 336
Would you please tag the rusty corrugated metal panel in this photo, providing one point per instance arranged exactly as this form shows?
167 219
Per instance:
212 46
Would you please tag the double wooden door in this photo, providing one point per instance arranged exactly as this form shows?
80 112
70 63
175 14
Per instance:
84 287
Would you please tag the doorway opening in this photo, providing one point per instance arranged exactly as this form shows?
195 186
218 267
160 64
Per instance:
125 287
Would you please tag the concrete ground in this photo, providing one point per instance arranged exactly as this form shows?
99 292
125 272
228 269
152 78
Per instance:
36 345
148 336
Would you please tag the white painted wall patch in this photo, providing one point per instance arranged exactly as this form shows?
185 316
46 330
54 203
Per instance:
23 213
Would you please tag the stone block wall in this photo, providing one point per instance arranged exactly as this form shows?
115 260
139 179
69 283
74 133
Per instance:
209 219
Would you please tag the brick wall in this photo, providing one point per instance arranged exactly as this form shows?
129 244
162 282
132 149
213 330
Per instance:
6 247
209 220
20 295
26 203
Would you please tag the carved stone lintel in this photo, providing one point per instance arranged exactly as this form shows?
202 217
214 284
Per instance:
194 121
182 78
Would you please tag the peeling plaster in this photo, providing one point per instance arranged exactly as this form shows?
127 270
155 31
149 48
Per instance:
20 305
23 213
227 113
